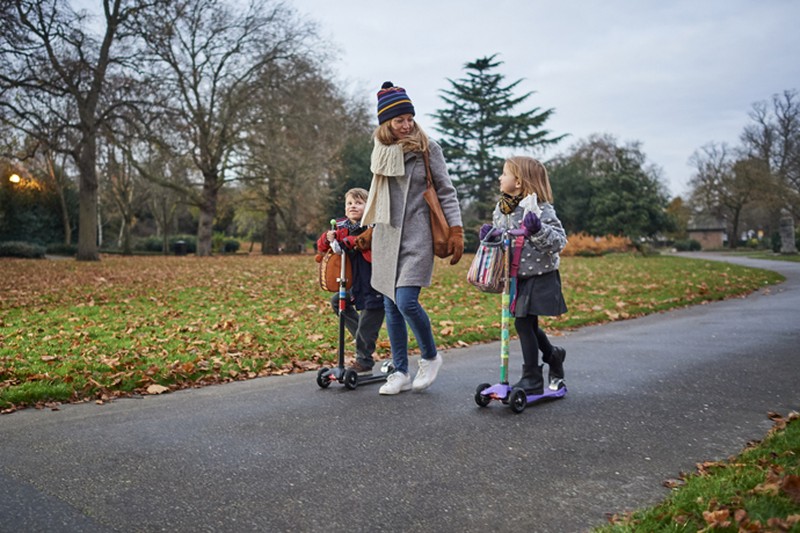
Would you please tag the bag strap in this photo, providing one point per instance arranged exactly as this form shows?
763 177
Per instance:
428 175
518 242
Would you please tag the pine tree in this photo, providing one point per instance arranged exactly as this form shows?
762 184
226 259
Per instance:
478 122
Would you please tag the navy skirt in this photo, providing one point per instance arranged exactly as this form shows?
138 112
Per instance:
540 296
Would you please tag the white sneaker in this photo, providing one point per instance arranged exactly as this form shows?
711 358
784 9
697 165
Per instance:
396 383
428 368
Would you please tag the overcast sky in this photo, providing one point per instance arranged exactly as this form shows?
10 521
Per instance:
674 75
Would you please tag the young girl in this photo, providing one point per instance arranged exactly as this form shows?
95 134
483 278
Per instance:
538 281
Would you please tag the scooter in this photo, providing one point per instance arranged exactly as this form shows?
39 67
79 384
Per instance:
347 376
515 397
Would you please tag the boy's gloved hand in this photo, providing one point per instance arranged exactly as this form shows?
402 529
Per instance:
487 230
349 242
341 233
364 240
532 223
455 243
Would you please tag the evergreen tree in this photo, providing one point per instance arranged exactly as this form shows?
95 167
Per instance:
478 122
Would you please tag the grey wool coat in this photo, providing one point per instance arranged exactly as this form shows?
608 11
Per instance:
540 252
402 251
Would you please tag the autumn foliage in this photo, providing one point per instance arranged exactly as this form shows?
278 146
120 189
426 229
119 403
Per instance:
583 244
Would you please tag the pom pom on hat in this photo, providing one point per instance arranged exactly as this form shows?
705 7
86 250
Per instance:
393 102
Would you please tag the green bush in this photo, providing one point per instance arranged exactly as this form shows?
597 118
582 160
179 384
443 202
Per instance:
62 249
230 246
149 244
21 249
688 245
156 244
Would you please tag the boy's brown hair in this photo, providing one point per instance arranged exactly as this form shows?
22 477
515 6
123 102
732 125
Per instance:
358 193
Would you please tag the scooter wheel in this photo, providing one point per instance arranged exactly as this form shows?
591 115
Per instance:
322 377
351 379
481 399
518 400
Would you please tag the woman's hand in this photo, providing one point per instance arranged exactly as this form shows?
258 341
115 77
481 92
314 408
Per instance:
455 243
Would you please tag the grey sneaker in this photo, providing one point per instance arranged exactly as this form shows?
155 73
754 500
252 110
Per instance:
428 369
396 383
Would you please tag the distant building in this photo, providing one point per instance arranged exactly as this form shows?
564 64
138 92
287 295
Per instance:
708 231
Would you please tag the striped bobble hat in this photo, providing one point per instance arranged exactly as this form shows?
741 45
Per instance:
393 102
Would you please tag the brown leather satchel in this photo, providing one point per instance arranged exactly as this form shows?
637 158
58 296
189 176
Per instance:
440 230
330 267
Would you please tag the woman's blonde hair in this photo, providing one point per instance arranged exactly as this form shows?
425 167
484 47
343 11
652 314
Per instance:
417 141
532 175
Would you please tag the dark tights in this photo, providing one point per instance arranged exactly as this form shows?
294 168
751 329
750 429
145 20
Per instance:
532 338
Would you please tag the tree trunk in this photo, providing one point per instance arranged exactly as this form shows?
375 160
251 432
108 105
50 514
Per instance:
734 241
270 244
87 214
62 200
208 211
127 223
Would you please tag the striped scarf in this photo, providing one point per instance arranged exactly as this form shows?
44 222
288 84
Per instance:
509 203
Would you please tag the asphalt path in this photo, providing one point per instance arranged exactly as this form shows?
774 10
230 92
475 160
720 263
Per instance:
648 398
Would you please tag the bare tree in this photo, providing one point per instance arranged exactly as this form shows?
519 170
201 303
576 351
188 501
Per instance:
725 186
208 57
124 191
55 71
291 147
773 136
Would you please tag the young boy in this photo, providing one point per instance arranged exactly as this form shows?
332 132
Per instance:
363 312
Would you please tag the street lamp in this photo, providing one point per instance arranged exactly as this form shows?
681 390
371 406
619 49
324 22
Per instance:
14 178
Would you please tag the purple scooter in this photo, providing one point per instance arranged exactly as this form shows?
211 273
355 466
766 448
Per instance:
516 397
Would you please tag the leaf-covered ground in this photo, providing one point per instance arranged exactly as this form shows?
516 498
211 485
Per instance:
74 331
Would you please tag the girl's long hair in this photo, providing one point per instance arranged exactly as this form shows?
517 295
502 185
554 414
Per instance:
417 141
533 175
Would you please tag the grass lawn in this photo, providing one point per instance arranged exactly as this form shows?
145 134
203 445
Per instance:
76 331
758 490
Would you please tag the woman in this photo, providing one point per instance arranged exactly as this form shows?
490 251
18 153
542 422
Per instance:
402 247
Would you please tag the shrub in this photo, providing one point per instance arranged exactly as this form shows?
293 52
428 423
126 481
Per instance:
585 245
59 248
688 245
149 244
21 249
230 246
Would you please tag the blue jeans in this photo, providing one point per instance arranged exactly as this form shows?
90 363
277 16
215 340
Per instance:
405 311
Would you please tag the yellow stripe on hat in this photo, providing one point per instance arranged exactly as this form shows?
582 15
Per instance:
406 101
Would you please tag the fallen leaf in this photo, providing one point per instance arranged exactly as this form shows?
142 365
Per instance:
790 485
718 518
156 389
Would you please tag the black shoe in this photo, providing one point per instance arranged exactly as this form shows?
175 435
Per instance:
531 382
555 360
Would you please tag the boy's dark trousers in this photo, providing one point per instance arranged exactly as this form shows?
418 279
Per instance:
364 326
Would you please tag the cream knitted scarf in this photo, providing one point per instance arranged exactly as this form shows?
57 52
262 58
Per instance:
386 162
